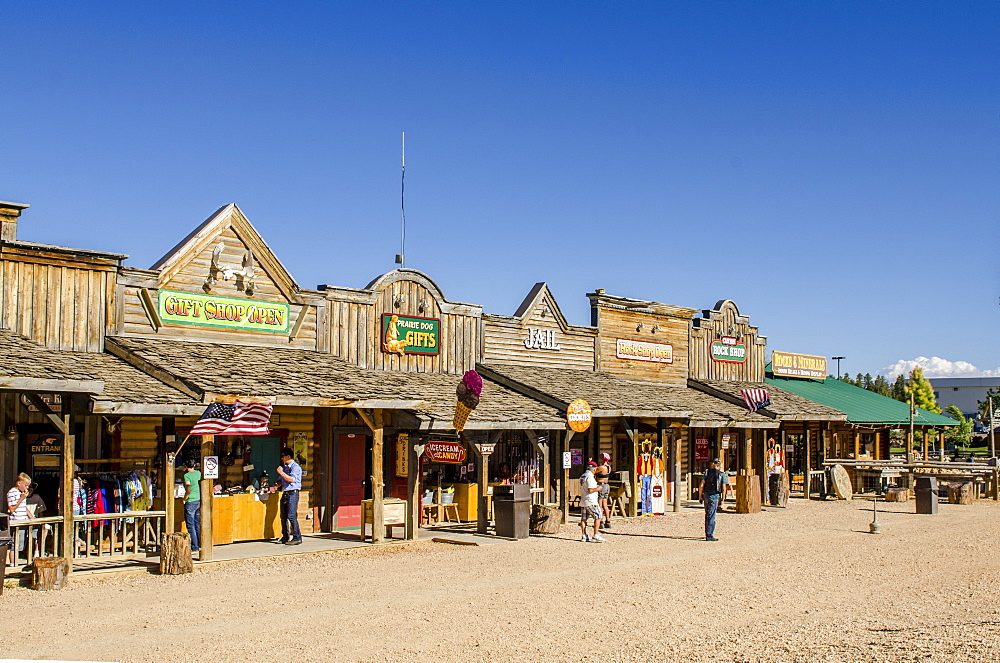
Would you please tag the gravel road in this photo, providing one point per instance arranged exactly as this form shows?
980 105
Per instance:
805 583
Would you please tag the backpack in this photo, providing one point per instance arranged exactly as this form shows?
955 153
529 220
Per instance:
713 481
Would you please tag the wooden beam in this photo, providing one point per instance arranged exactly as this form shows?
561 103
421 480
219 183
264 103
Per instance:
207 545
150 309
47 386
386 404
297 327
808 463
369 421
100 406
564 488
149 368
633 503
415 449
56 420
378 476
66 495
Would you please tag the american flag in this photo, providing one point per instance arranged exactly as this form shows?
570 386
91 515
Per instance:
236 419
755 399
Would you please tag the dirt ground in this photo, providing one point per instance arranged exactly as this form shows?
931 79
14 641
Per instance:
805 583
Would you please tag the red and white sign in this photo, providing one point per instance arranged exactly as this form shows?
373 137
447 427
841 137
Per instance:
210 465
701 450
445 452
487 449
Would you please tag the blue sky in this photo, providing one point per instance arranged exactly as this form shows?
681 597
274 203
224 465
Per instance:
830 167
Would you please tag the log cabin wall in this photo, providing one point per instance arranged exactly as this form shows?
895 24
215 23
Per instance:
622 319
538 335
356 318
226 258
725 321
58 297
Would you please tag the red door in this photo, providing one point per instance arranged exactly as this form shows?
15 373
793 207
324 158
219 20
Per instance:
350 479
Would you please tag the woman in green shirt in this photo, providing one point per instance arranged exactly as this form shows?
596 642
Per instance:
192 502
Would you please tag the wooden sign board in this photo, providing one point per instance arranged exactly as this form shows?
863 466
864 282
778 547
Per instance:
701 450
487 449
798 366
579 415
727 349
445 452
408 335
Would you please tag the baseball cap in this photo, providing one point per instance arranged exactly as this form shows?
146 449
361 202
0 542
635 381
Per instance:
605 456
591 464
716 460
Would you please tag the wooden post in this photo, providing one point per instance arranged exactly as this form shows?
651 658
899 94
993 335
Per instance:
857 444
167 490
909 435
378 477
66 496
925 448
49 572
564 488
175 554
416 452
482 513
678 440
206 545
633 503
807 465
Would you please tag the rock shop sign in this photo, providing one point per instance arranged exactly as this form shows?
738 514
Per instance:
728 349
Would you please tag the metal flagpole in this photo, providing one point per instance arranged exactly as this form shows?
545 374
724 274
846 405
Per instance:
401 257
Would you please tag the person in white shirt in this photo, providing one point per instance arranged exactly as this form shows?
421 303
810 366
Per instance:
17 507
589 507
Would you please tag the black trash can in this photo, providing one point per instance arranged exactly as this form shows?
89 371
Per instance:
512 510
927 495
5 544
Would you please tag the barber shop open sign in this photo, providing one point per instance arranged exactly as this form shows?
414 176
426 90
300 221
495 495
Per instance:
445 452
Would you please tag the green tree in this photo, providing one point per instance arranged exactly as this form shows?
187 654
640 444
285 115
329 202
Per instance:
984 406
898 390
960 435
846 378
868 382
881 386
923 392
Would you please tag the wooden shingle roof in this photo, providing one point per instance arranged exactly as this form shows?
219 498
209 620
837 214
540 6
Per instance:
314 379
29 366
614 396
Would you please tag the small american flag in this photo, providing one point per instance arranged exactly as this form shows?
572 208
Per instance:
236 419
755 399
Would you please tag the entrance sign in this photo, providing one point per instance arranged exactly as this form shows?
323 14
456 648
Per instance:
46 444
210 467
579 415
190 308
661 353
567 460
445 452
405 335
729 350
798 366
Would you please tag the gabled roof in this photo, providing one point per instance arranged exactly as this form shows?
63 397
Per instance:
784 404
289 376
860 405
227 216
613 396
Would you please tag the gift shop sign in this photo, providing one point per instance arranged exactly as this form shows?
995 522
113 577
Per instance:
727 349
189 308
445 452
404 335
661 353
798 366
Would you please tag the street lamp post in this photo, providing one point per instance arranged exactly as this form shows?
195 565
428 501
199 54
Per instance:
837 359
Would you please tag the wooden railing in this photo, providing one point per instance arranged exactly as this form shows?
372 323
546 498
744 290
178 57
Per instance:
108 536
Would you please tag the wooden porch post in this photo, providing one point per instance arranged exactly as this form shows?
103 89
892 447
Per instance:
633 503
857 444
680 439
66 497
416 452
564 487
807 467
925 448
378 477
207 548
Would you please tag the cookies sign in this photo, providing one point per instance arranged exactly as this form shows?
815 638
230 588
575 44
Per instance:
579 415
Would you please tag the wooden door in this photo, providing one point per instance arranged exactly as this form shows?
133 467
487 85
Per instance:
350 479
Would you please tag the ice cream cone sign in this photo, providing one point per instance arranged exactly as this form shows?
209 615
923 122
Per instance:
578 415
468 392
393 343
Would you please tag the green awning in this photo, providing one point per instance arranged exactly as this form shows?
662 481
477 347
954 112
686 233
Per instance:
860 405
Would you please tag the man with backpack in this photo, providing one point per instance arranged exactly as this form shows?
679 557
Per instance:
713 490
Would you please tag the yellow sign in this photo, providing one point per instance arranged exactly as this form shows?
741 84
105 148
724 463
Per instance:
798 366
191 308
579 415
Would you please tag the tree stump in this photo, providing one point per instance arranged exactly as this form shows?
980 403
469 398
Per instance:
175 554
960 492
747 494
778 489
545 519
49 573
894 494
841 482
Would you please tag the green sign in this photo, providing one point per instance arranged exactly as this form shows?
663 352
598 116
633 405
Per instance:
188 308
404 335
729 350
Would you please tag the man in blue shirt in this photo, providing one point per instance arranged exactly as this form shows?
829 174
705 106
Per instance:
290 475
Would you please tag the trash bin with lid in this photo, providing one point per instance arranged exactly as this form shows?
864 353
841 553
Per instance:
927 495
5 544
512 510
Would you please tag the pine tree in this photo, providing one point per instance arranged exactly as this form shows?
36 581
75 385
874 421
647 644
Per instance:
846 378
881 386
923 392
898 390
984 406
868 382
859 381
